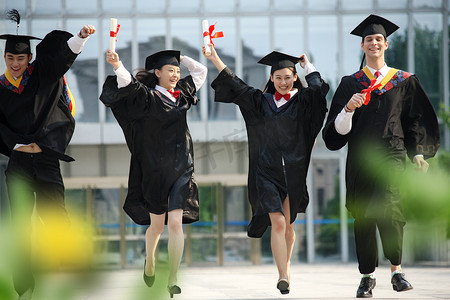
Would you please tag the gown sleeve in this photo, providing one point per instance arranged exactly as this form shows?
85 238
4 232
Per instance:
53 55
231 89
315 103
422 134
334 140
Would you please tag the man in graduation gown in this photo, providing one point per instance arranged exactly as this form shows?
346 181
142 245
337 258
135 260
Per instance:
36 126
382 127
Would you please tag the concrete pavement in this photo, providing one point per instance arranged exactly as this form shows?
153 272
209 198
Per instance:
246 282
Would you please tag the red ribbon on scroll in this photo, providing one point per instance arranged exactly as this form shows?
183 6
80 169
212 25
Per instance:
211 35
369 90
114 33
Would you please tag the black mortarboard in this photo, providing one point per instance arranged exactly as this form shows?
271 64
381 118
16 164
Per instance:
15 43
159 59
374 25
278 60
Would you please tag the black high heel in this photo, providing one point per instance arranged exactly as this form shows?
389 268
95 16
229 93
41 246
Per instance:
149 280
283 286
174 289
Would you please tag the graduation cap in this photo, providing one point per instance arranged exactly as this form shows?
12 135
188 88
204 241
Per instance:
278 60
15 43
159 59
374 24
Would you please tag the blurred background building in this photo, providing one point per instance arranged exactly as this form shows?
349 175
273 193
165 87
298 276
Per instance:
96 181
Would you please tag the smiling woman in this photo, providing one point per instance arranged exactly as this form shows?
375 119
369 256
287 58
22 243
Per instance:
282 123
161 186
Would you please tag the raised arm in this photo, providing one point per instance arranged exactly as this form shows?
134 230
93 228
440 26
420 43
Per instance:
77 42
123 76
196 69
214 58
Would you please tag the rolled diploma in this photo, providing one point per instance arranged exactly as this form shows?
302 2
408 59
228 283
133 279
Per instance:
206 38
112 39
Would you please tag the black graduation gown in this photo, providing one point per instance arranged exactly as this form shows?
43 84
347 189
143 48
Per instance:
287 132
162 157
398 121
39 112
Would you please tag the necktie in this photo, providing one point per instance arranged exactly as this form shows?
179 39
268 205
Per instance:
278 96
175 94
377 73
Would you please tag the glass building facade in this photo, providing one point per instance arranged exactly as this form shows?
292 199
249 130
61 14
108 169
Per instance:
252 28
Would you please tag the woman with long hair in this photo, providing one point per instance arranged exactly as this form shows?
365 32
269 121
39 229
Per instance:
282 123
151 109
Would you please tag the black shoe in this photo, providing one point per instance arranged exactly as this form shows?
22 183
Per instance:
27 295
283 286
149 280
174 289
365 288
399 283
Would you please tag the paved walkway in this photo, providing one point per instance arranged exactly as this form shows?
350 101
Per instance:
316 281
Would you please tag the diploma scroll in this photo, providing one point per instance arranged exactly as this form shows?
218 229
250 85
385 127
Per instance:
206 37
114 29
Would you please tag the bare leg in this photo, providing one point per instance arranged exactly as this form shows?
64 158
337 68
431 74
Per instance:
152 236
278 243
176 243
289 234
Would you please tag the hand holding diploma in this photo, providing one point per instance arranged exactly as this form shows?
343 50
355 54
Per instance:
208 36
214 57
113 59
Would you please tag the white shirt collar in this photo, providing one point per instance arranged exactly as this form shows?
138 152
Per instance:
165 92
384 70
283 101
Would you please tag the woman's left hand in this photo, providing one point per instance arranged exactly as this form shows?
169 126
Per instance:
303 60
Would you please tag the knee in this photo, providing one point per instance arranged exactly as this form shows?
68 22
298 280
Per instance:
175 225
156 229
278 224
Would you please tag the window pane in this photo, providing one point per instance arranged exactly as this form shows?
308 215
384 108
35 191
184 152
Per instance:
322 5
187 37
393 4
115 6
177 6
255 33
20 5
288 4
427 3
39 28
396 55
360 4
220 6
288 35
151 6
352 53
254 5
324 46
226 48
81 6
427 54
83 75
151 35
46 7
